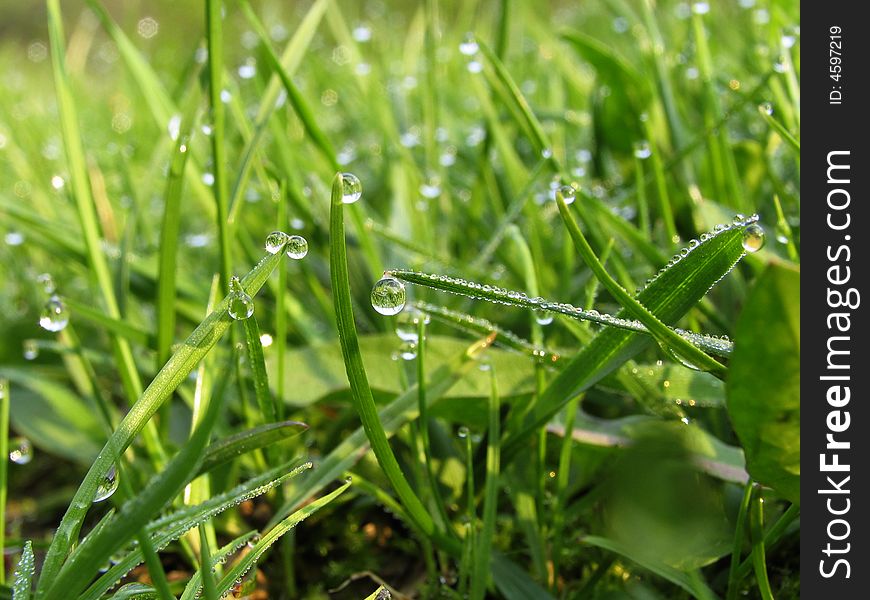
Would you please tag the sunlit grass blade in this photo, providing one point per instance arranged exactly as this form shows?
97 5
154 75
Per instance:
4 466
194 585
22 578
265 401
173 373
240 443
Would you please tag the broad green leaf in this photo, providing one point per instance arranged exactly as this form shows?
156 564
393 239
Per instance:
764 380
316 371
53 417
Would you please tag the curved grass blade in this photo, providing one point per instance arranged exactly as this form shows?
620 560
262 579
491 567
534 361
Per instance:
250 559
483 542
171 527
191 590
669 295
246 441
470 289
265 400
135 591
356 374
134 514
173 373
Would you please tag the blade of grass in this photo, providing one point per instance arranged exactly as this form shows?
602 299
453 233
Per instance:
173 373
209 586
756 530
4 467
268 404
483 543
739 533
231 447
22 579
662 332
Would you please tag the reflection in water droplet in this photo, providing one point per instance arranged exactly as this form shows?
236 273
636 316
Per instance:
753 238
275 241
20 450
241 305
568 194
351 188
30 349
54 316
108 485
388 296
297 247
543 317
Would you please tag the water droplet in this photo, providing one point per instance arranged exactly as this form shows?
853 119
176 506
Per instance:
642 149
297 247
241 306
753 238
54 315
275 241
543 317
407 323
108 485
765 108
266 340
408 350
547 153
351 188
20 450
462 432
388 296
568 193
469 46
30 349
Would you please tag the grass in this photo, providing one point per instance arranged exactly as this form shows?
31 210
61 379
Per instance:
516 446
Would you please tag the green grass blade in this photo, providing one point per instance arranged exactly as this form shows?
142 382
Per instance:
265 401
22 578
756 529
662 332
134 514
272 536
173 373
481 574
739 533
231 447
209 586
356 374
4 466
669 295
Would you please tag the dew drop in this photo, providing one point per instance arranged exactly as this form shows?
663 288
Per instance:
30 350
47 283
388 296
469 46
462 432
753 238
54 316
275 241
642 149
297 247
241 305
406 325
543 317
20 450
547 153
408 350
765 108
568 194
108 485
351 188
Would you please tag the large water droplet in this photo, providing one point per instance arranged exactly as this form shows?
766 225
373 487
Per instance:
108 485
30 349
388 296
54 315
568 193
297 247
543 317
469 46
351 188
241 305
20 450
753 238
275 241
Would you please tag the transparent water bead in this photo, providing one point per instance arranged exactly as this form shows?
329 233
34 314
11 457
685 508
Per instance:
469 46
753 238
30 349
54 316
351 188
388 296
407 324
47 283
642 149
275 241
297 247
543 317
408 350
20 450
765 108
241 305
108 485
568 193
